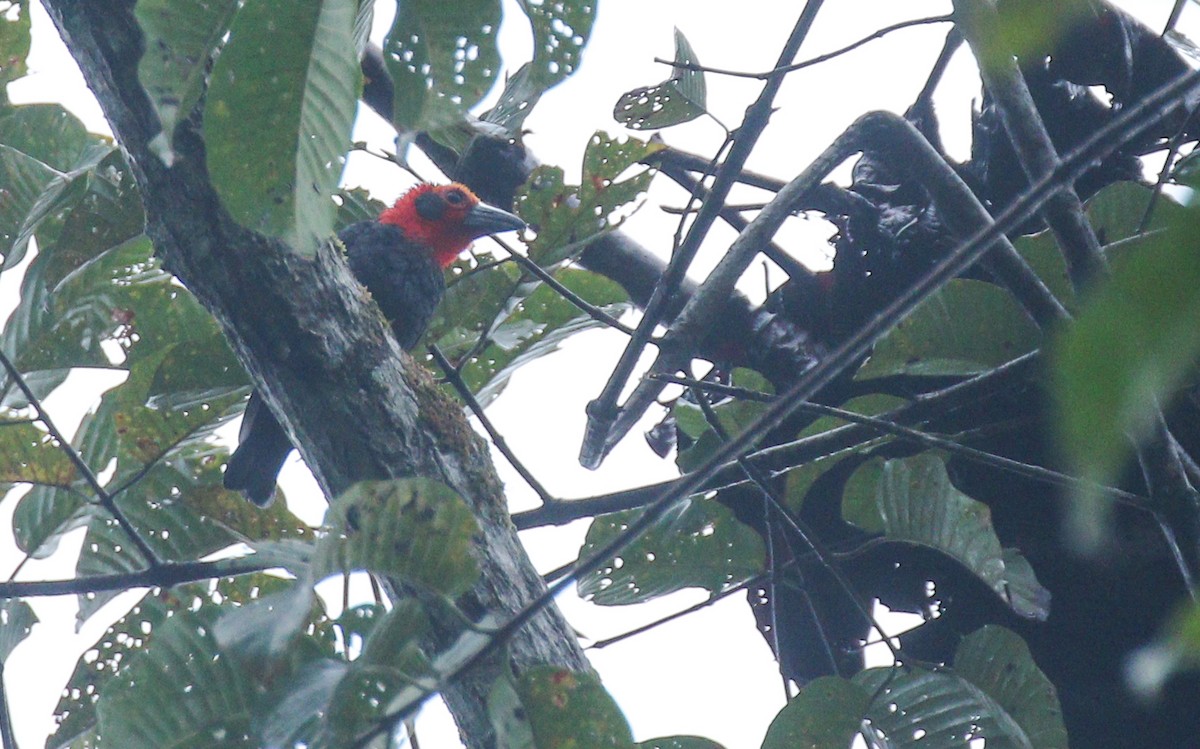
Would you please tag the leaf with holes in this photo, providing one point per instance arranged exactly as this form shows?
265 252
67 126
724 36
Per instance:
16 622
184 513
180 38
14 42
416 529
681 98
560 32
699 545
177 691
131 634
565 216
391 659
443 60
998 661
29 455
993 693
935 709
912 500
278 114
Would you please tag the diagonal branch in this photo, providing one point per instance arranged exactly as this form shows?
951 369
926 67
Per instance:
913 156
602 412
102 496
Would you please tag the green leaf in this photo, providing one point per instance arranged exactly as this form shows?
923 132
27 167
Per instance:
44 217
1133 344
475 299
944 710
295 719
571 708
363 20
45 513
16 622
1030 28
565 216
681 98
734 415
278 115
560 31
679 742
415 529
24 178
998 662
827 714
356 205
179 691
1116 214
165 507
966 328
700 545
262 629
536 325
29 455
507 716
994 693
1175 650
131 634
180 38
391 659
195 374
443 60
912 500
14 42
45 132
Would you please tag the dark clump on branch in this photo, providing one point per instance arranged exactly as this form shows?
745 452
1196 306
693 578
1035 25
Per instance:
890 233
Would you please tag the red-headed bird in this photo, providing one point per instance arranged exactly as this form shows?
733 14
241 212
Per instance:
400 258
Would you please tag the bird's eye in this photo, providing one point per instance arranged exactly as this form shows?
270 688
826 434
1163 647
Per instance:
455 197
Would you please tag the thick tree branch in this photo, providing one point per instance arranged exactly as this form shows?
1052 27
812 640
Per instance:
317 348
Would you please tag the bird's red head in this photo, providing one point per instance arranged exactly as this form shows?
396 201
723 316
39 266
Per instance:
446 218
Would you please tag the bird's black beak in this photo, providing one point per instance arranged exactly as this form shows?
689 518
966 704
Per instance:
487 219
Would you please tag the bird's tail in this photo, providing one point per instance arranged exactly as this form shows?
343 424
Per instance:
263 446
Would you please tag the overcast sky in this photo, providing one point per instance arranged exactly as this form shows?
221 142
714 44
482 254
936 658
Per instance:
709 674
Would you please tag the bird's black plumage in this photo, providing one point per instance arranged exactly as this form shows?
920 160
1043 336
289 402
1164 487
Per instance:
407 284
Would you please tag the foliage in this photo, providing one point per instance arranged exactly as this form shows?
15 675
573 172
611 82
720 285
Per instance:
257 660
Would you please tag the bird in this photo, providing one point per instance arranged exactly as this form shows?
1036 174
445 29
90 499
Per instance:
400 258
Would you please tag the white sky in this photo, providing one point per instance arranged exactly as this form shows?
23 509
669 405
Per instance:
709 674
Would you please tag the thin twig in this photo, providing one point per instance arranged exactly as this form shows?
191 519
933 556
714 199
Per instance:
602 412
1107 138
757 580
456 381
545 277
879 34
915 158
1173 19
104 498
884 426
810 540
